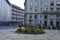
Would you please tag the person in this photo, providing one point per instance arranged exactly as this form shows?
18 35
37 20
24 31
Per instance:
19 25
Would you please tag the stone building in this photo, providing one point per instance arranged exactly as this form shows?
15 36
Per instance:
17 15
10 14
5 10
45 13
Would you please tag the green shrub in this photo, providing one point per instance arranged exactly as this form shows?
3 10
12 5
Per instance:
26 31
30 30
39 31
19 30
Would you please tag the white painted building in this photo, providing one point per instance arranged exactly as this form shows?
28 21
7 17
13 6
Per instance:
5 10
10 14
17 14
42 12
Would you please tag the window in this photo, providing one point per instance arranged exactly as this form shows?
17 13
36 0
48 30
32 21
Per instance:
30 19
35 16
41 2
51 9
40 16
58 3
51 23
41 9
57 15
51 17
45 17
30 16
58 9
52 3
57 23
45 23
30 10
40 22
35 10
46 9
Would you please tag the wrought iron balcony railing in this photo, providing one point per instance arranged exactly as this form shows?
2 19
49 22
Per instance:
50 11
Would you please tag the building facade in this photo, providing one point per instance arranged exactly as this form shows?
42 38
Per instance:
45 13
5 10
10 14
17 15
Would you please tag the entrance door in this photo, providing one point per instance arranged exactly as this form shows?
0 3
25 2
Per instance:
45 23
57 23
51 23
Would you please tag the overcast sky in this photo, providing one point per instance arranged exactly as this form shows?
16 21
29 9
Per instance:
19 3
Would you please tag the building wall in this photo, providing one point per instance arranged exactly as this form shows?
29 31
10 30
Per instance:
40 18
42 8
40 5
17 14
5 11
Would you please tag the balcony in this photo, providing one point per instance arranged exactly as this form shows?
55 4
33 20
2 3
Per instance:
51 12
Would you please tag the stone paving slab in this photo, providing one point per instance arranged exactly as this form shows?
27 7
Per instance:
9 34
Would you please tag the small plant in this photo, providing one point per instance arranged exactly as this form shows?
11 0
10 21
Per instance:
30 30
19 30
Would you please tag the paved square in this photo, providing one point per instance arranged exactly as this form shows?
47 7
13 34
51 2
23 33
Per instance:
9 34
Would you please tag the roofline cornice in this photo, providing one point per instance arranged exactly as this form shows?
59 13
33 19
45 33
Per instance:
8 2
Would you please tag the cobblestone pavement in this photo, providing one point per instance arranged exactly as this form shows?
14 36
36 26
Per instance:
9 34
